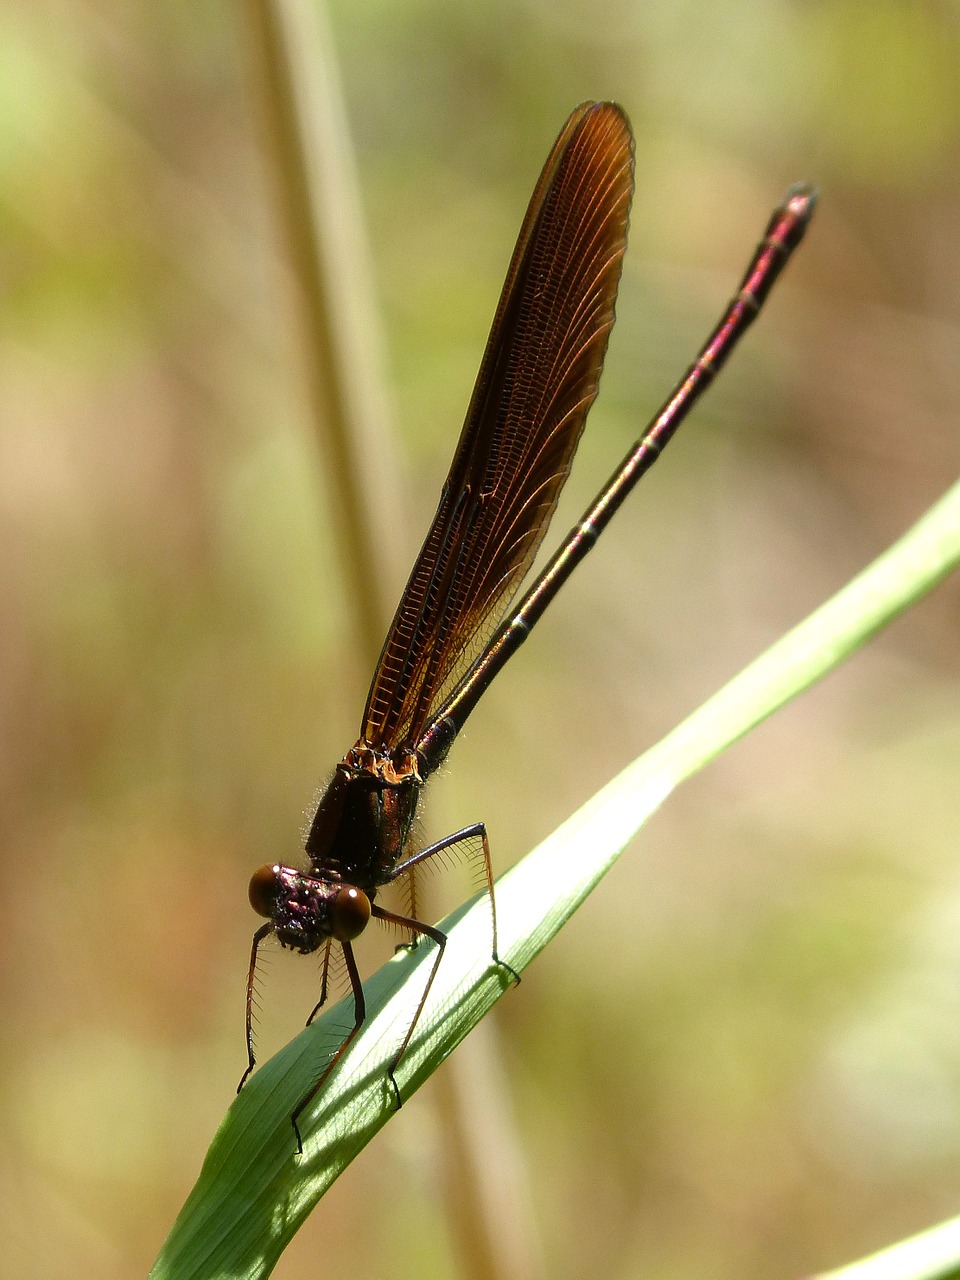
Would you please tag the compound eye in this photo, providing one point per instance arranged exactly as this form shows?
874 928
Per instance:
264 890
349 913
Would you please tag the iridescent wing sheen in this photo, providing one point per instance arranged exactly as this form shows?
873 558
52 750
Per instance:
537 381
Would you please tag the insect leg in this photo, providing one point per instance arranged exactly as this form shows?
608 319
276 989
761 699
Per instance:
324 975
416 927
464 835
359 1014
258 937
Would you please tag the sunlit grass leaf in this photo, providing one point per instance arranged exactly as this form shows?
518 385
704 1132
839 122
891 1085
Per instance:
254 1192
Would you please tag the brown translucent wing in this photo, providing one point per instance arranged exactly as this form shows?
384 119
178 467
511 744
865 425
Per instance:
538 378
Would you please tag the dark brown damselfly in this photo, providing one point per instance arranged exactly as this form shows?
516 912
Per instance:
456 626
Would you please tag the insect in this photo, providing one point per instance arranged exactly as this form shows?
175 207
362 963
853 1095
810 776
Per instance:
456 624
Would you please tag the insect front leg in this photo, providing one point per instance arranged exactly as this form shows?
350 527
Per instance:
258 937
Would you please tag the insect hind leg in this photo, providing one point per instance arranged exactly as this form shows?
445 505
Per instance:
468 838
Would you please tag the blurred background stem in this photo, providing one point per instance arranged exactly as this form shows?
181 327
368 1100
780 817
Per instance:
320 207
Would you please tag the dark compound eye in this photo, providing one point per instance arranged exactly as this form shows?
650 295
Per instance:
349 913
264 890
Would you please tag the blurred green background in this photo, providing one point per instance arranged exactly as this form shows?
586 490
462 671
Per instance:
743 1057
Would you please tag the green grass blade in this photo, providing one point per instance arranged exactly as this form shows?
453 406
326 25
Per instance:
253 1192
931 1255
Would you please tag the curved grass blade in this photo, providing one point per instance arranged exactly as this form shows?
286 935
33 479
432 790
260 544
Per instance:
253 1193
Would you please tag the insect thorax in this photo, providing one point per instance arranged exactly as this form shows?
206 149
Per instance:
363 820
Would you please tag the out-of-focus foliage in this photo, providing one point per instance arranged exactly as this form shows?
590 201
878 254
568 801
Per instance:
769 984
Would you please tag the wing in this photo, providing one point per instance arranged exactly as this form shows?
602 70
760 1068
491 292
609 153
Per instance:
537 381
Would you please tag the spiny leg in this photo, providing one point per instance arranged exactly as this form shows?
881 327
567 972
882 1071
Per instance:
462 836
409 894
412 904
359 1014
258 937
324 975
415 927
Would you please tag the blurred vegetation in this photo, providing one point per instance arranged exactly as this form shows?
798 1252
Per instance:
771 979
